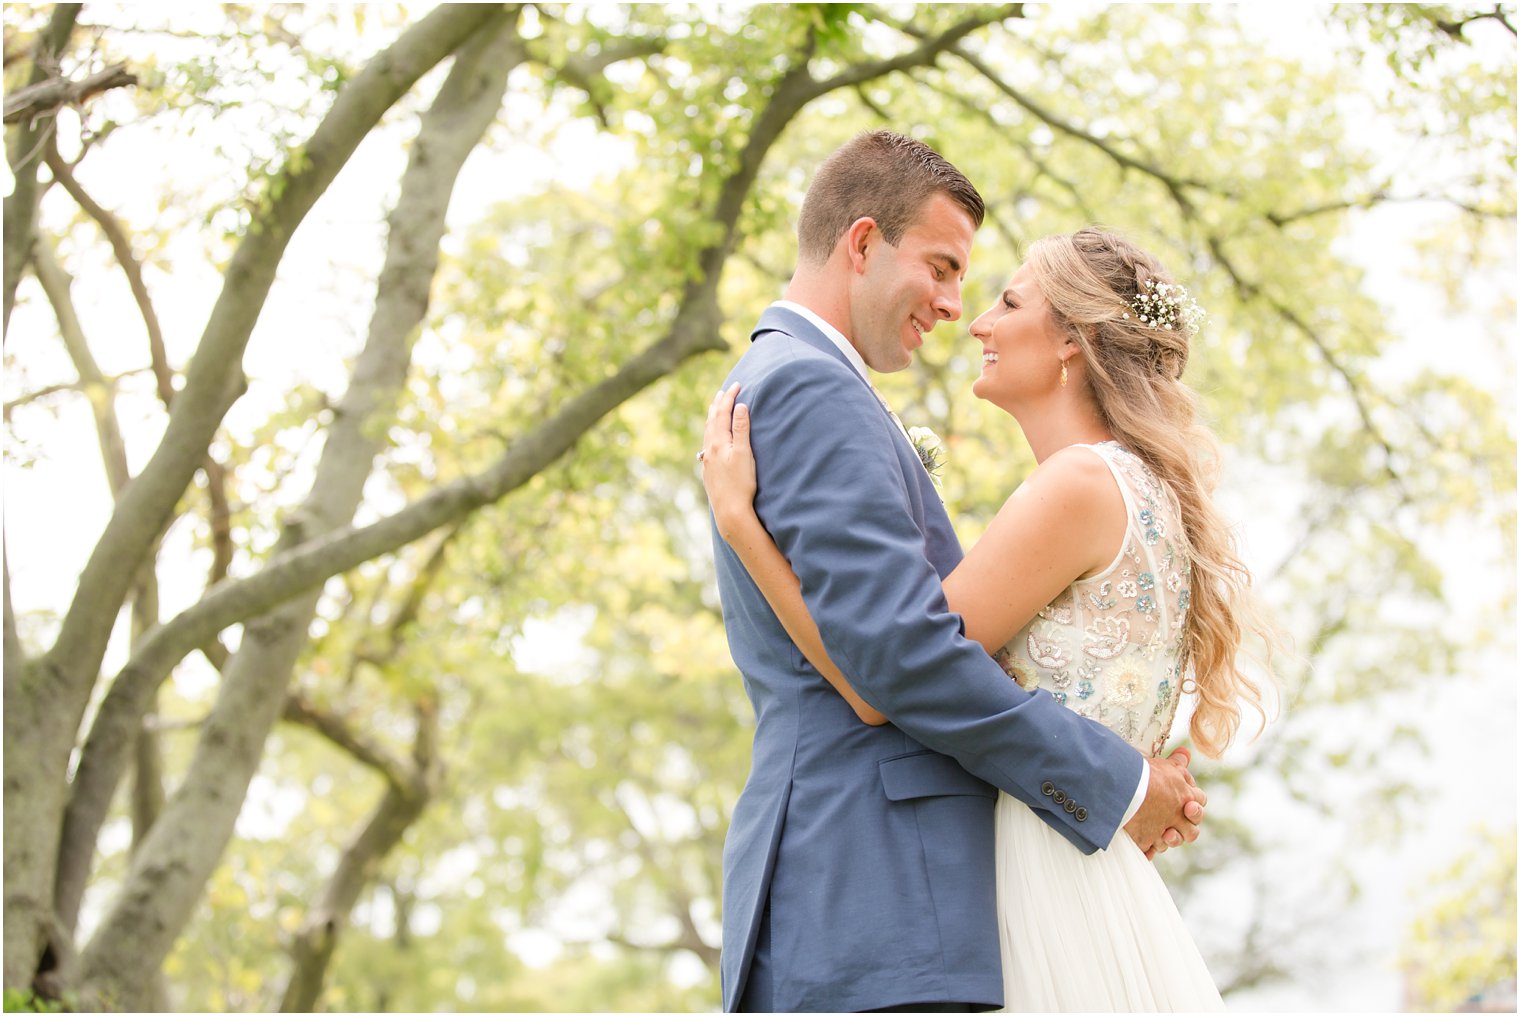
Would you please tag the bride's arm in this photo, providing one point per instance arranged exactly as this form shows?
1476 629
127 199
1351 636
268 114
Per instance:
1066 521
728 473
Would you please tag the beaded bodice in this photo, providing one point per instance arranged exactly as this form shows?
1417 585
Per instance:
1109 646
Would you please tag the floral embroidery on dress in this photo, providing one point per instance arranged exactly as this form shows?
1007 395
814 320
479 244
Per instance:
1047 654
1108 647
1059 610
1106 637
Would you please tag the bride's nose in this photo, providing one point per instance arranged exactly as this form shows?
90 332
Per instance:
980 328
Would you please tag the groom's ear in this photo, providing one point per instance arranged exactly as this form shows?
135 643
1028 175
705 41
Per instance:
859 239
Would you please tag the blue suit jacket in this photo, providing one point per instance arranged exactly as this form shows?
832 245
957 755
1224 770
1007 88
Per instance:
874 845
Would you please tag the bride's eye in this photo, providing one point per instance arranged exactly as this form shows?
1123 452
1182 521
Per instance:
1009 303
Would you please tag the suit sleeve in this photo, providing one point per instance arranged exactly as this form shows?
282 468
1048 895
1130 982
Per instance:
833 496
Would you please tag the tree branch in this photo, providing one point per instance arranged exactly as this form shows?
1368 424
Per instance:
926 53
587 71
1176 186
679 899
110 381
1382 197
20 209
301 711
1043 167
147 798
399 807
92 381
1457 29
15 657
1249 291
121 246
184 847
45 98
214 379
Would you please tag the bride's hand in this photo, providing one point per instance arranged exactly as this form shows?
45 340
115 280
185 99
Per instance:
728 465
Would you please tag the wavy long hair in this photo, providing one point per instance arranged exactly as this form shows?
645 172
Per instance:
1090 280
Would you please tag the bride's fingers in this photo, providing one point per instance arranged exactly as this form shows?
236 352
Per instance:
721 419
741 426
716 428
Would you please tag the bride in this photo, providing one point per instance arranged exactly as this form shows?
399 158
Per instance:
1108 580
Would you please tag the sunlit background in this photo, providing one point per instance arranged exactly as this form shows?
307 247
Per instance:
503 771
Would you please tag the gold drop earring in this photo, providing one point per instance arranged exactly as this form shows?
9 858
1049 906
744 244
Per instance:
1063 373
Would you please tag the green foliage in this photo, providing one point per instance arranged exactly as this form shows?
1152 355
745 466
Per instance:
27 1001
1461 949
594 732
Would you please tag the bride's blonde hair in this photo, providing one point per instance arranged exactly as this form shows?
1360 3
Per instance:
1090 280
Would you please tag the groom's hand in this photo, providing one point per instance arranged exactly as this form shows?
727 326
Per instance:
1173 808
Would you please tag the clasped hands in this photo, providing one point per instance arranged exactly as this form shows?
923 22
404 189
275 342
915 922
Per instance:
1173 808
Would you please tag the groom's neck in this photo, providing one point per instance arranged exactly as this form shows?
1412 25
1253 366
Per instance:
825 292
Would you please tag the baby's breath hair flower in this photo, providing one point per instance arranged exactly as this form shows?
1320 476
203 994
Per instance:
1167 305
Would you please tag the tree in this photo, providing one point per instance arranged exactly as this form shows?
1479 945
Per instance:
485 610
47 691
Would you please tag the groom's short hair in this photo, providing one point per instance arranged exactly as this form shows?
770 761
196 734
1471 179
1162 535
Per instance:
882 175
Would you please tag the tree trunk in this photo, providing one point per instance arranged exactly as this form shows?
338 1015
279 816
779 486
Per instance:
158 894
45 698
170 870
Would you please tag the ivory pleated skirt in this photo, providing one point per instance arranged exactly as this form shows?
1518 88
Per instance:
1089 933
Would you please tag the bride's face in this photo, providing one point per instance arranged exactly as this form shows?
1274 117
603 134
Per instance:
1021 346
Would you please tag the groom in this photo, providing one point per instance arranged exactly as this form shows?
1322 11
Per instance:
858 870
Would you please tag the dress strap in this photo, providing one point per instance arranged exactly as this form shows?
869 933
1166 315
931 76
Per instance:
1103 451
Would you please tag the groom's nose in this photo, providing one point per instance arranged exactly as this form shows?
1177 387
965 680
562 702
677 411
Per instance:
948 304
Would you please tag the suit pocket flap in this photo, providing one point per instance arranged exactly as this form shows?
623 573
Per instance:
927 774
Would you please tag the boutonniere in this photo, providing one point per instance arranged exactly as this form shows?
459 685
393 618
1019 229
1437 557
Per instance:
931 451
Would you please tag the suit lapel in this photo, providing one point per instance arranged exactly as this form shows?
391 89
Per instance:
789 322
941 545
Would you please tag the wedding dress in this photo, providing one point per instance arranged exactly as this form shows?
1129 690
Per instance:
1100 932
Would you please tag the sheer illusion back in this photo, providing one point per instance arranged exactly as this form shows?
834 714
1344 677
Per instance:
1109 646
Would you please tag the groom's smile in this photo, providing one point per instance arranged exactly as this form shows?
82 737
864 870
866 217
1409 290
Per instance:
905 289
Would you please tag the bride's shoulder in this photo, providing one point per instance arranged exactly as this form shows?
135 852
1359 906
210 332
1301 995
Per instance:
1078 482
1078 469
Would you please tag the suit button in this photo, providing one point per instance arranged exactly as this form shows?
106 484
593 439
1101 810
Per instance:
1059 797
1047 788
1081 814
1071 806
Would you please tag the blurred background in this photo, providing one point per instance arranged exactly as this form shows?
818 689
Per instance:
362 643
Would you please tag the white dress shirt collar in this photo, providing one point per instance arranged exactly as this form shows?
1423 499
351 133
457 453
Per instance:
834 335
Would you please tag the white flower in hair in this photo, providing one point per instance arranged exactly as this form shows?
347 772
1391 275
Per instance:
1167 305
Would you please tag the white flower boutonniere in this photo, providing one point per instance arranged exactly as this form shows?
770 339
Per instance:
931 451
